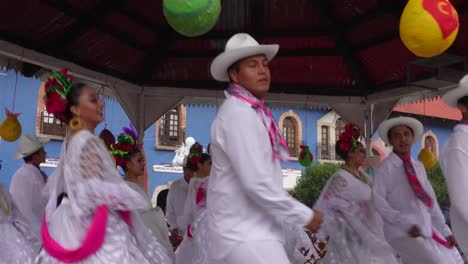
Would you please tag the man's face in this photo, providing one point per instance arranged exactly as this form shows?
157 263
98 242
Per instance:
253 75
401 138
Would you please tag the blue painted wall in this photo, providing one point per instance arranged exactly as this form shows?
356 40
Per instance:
198 125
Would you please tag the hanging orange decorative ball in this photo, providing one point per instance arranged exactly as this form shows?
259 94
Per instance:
10 128
427 158
428 27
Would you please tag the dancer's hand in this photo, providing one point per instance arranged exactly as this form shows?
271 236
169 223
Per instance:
414 231
175 238
451 241
314 225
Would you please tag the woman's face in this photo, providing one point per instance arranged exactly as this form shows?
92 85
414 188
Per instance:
136 164
205 167
90 107
358 156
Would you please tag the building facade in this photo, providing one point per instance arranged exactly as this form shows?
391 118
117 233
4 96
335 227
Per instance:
318 128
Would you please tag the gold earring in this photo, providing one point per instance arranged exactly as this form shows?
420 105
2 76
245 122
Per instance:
75 124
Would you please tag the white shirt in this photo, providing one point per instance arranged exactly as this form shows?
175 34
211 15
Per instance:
26 189
246 200
190 205
454 163
395 200
175 204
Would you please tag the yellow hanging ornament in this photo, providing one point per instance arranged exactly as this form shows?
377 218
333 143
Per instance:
10 128
427 158
428 27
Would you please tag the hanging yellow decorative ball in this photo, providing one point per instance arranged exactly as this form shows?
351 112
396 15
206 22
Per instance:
192 18
427 158
428 27
10 128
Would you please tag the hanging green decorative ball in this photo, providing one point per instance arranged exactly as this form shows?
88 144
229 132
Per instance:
192 18
305 156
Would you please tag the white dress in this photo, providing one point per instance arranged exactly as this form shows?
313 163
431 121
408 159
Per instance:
184 254
17 245
154 219
87 173
354 227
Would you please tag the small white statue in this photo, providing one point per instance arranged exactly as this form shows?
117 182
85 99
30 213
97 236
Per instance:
182 152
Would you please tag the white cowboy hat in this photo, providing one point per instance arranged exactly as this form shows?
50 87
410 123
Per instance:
239 46
410 122
28 145
452 97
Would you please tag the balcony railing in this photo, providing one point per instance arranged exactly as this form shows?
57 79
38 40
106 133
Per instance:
327 152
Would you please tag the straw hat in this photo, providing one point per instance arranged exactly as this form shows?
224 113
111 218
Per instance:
28 145
239 46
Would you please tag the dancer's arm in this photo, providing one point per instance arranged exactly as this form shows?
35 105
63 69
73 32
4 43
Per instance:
98 182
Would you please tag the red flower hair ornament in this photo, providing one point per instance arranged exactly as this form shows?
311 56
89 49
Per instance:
57 88
349 139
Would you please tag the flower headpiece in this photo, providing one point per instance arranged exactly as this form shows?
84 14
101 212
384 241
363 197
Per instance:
126 142
349 139
57 88
195 153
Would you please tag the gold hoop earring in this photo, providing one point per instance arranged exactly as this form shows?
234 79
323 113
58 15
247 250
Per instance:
75 124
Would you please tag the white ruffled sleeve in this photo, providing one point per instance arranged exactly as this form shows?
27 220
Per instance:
99 182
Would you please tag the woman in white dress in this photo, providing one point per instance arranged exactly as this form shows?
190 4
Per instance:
354 228
95 222
127 154
17 245
200 163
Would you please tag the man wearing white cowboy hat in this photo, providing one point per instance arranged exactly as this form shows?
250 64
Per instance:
454 163
413 222
246 203
29 180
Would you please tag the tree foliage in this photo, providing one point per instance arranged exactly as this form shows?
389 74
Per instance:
314 178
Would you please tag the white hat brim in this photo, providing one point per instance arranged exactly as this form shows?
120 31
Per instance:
223 61
20 154
451 98
410 122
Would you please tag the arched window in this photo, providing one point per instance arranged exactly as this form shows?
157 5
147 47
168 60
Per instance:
339 128
290 134
170 128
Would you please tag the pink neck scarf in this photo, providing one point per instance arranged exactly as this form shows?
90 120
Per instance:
278 144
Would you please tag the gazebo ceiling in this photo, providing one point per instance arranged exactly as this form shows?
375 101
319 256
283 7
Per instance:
327 47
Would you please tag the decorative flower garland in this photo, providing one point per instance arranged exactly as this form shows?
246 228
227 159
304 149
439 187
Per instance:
349 139
57 88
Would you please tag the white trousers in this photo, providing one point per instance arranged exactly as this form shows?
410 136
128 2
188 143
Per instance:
258 252
424 250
